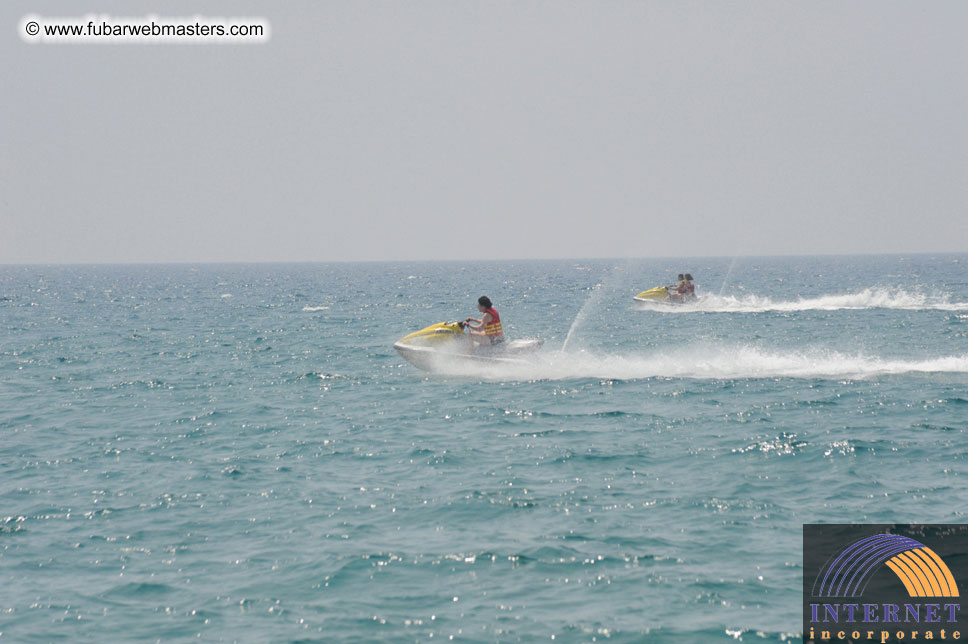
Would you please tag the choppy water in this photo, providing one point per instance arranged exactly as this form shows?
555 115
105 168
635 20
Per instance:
235 453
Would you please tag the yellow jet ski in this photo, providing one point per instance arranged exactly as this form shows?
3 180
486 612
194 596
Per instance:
445 343
657 293
663 295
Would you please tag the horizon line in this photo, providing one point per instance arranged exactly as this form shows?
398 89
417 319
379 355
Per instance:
474 260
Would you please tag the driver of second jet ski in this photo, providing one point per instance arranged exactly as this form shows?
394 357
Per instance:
487 329
678 290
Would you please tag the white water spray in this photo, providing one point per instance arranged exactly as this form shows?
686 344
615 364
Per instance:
710 361
598 292
594 298
871 298
729 272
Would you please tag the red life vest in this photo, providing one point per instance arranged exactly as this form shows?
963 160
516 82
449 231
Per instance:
493 329
690 288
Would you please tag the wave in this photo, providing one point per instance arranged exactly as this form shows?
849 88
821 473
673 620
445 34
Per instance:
315 308
714 363
870 298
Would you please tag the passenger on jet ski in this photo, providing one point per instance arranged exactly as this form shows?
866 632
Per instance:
684 290
486 330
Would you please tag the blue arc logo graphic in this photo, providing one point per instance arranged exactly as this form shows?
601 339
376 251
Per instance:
919 568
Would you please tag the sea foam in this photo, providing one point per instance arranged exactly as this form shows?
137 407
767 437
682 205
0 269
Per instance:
869 298
705 362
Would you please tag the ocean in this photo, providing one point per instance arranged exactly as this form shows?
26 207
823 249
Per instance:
236 453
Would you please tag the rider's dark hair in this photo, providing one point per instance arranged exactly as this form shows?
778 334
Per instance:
485 301
689 276
681 276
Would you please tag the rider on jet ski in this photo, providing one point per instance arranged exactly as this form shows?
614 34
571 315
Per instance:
678 290
487 329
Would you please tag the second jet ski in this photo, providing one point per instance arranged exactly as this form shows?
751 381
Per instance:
682 293
654 294
664 295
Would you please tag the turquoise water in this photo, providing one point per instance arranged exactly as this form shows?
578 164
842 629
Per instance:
236 453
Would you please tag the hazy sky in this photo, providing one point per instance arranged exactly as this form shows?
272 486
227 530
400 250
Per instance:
474 129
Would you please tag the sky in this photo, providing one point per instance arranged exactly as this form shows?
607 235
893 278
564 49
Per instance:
458 129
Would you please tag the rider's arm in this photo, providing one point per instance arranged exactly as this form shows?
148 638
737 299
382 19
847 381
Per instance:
483 322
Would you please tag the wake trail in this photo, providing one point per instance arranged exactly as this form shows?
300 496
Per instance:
871 298
717 362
